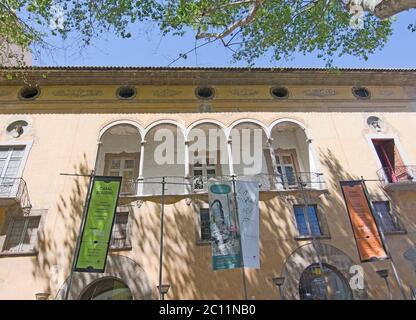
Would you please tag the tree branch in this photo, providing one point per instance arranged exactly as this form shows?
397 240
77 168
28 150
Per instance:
238 24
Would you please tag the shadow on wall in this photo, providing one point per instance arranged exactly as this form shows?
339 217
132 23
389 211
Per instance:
187 266
57 240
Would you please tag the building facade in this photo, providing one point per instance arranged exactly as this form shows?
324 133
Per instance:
313 127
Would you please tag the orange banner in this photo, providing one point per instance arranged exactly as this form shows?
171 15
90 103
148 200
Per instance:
369 244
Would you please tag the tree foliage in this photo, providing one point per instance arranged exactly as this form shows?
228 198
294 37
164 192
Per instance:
249 28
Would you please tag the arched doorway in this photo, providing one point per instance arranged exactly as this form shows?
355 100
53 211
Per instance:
107 288
302 265
326 284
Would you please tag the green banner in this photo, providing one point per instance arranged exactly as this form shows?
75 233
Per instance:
96 234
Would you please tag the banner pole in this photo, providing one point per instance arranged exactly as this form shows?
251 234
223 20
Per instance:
243 273
314 239
78 242
162 215
383 238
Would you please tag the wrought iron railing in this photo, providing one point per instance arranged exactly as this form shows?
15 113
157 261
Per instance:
176 185
15 189
399 174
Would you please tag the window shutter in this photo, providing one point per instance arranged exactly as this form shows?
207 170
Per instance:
30 238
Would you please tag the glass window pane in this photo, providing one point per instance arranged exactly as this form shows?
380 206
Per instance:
128 164
197 172
287 160
290 175
119 234
382 208
18 152
211 173
12 168
301 221
205 224
14 236
115 164
313 218
4 152
2 163
30 238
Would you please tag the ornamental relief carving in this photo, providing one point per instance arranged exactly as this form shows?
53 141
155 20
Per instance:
386 92
78 93
244 92
4 93
320 92
166 92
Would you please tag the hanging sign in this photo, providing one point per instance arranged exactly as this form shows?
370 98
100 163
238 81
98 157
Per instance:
369 243
96 234
225 242
248 215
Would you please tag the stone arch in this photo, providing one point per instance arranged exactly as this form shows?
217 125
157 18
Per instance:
205 121
305 146
161 122
306 255
119 267
120 122
248 120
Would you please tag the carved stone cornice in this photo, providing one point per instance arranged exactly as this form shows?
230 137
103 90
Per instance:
213 76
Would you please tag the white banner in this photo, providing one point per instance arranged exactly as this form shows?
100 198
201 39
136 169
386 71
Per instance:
248 216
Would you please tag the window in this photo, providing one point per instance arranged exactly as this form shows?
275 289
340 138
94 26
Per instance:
201 172
391 161
205 224
126 92
302 222
286 168
361 93
204 92
119 237
29 93
388 223
279 92
124 165
10 162
22 235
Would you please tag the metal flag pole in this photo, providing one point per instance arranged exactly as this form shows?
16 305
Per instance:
243 273
383 238
162 216
81 226
314 239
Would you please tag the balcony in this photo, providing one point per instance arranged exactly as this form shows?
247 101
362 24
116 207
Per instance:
198 184
400 178
14 191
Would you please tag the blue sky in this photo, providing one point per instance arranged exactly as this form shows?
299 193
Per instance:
149 48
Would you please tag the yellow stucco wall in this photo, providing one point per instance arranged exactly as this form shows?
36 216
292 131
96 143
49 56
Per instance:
65 123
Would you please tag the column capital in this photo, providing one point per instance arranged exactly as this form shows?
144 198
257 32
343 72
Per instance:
143 142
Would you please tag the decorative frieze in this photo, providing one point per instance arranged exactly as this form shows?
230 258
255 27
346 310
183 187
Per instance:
205 108
4 93
78 93
244 92
166 92
386 92
326 92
